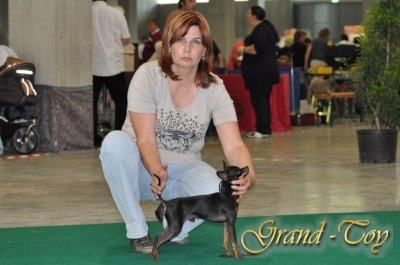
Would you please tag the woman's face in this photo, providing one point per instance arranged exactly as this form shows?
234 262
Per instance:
188 50
302 38
151 26
249 16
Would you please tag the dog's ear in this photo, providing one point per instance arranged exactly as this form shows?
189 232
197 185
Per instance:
224 163
222 175
245 171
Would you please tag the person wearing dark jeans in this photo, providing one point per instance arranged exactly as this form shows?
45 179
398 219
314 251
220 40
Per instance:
117 86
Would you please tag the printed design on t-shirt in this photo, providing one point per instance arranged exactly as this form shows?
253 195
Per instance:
177 131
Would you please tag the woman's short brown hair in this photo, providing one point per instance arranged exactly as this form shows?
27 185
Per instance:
178 28
297 35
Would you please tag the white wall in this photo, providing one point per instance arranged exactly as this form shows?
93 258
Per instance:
56 36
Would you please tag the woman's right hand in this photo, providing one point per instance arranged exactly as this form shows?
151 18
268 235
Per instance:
158 183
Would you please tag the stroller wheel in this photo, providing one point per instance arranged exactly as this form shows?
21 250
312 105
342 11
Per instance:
25 142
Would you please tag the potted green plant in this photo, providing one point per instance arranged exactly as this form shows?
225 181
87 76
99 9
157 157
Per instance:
377 82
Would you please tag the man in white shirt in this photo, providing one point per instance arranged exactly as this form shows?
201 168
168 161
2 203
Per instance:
110 34
5 52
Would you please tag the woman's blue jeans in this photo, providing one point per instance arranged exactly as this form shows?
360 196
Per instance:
129 182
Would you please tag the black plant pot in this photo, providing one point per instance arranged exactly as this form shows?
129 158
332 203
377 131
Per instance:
377 146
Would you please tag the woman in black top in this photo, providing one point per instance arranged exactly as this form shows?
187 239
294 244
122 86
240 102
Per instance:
260 68
298 49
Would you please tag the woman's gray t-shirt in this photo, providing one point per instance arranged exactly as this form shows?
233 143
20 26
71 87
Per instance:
180 132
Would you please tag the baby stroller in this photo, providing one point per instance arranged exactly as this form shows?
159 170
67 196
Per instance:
16 93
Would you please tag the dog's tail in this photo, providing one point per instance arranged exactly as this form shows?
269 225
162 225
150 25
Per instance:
160 211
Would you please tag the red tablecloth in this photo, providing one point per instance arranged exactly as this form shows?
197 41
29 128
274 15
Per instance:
280 110
280 105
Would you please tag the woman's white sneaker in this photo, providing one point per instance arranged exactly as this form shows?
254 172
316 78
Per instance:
258 135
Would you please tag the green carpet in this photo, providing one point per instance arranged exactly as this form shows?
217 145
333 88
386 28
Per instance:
106 243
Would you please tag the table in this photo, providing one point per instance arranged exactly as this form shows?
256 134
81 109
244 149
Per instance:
341 98
325 110
280 110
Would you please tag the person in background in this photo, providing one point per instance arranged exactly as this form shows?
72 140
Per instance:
298 52
260 68
5 52
344 40
218 56
342 55
316 51
183 5
299 48
157 51
307 41
170 105
284 52
154 36
143 40
236 56
110 34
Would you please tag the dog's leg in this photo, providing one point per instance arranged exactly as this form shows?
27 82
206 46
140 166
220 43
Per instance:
226 240
232 234
165 235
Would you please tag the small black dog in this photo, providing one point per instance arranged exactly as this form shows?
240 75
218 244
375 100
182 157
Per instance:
221 206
